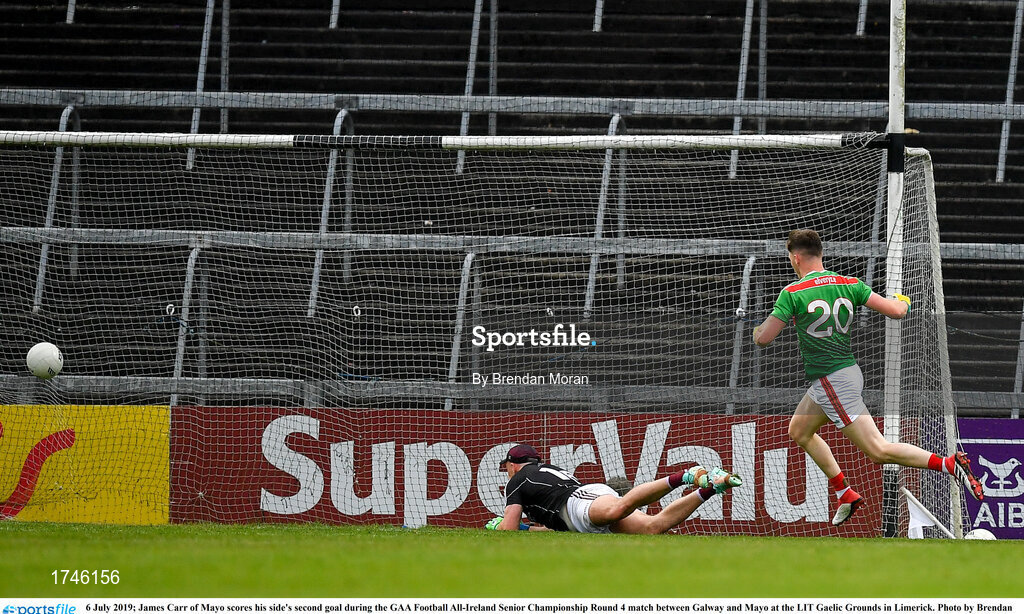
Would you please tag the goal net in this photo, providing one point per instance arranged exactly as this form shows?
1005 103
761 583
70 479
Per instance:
356 329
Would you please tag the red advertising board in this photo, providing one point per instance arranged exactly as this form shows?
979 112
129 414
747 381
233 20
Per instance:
409 467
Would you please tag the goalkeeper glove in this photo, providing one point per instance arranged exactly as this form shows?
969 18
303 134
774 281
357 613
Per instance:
904 298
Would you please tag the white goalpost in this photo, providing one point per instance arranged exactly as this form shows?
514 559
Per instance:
894 394
296 336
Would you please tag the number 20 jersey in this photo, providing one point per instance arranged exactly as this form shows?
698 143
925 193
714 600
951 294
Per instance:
822 306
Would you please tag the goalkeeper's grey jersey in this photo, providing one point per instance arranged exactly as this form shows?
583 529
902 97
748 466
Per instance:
542 490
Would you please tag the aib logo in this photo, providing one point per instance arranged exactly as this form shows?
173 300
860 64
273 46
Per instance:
51 444
997 480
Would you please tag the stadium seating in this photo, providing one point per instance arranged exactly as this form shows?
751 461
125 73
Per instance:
957 52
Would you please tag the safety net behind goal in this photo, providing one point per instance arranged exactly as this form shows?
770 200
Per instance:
356 329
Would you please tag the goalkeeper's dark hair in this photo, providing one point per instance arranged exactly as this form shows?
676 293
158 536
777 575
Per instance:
806 242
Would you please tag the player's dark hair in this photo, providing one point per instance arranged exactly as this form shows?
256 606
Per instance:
806 242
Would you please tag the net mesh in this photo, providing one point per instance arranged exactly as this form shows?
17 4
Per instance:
358 336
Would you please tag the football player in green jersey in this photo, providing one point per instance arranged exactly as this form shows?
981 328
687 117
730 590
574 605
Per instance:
821 305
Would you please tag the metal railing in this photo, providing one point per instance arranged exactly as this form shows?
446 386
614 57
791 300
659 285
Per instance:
472 246
741 79
602 205
69 114
524 105
492 72
204 54
335 14
474 45
342 120
1011 83
598 15
493 104
225 46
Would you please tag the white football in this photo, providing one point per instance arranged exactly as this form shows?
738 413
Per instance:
979 534
44 360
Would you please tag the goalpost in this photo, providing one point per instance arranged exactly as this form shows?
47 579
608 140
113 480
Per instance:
278 333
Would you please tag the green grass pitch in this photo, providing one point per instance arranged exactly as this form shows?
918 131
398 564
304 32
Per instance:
391 562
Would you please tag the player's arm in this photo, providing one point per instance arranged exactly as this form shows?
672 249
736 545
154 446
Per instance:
896 308
768 331
511 521
513 518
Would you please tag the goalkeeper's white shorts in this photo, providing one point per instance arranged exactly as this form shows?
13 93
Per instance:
576 513
840 395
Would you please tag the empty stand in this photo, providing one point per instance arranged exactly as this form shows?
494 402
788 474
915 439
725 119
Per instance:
957 52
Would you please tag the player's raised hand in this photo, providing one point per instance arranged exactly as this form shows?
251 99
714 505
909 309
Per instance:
904 298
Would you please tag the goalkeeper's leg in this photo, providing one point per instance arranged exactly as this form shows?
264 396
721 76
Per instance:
606 510
717 481
650 492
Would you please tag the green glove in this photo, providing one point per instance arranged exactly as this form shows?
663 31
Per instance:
493 523
905 299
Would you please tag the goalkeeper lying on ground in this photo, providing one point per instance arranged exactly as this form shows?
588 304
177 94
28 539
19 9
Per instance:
555 500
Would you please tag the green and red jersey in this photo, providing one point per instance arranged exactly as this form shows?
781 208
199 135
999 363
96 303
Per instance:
821 306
